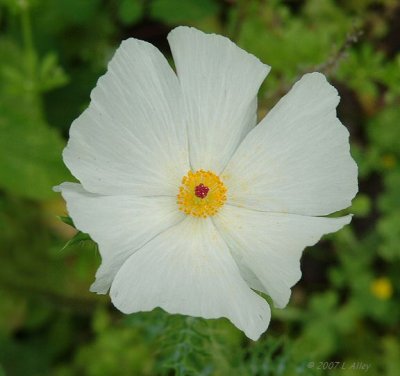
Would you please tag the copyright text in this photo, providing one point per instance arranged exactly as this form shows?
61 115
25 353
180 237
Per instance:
361 366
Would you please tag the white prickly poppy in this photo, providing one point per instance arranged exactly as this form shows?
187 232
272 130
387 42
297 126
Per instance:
192 205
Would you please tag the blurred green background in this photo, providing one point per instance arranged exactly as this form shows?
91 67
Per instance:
345 309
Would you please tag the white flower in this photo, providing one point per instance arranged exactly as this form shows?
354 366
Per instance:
193 207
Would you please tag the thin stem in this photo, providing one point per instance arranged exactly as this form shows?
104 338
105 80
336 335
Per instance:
31 59
332 63
27 34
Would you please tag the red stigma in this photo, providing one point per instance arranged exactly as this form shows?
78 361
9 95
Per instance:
201 190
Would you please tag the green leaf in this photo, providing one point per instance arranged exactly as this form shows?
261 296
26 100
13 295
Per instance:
75 11
130 11
30 154
389 201
30 151
51 75
78 238
66 220
361 206
177 11
388 228
384 130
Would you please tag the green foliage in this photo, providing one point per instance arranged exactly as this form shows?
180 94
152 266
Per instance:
130 11
186 344
78 238
345 309
175 11
30 159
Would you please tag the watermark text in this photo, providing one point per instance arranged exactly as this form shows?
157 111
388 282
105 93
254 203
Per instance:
361 366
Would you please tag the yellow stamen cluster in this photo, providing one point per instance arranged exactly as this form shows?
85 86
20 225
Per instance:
201 194
382 288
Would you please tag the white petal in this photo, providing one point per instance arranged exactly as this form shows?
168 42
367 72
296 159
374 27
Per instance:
132 139
119 224
220 82
268 246
297 160
188 269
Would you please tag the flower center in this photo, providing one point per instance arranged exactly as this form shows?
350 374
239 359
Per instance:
201 194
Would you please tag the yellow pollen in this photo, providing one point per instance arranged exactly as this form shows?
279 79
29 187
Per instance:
201 194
